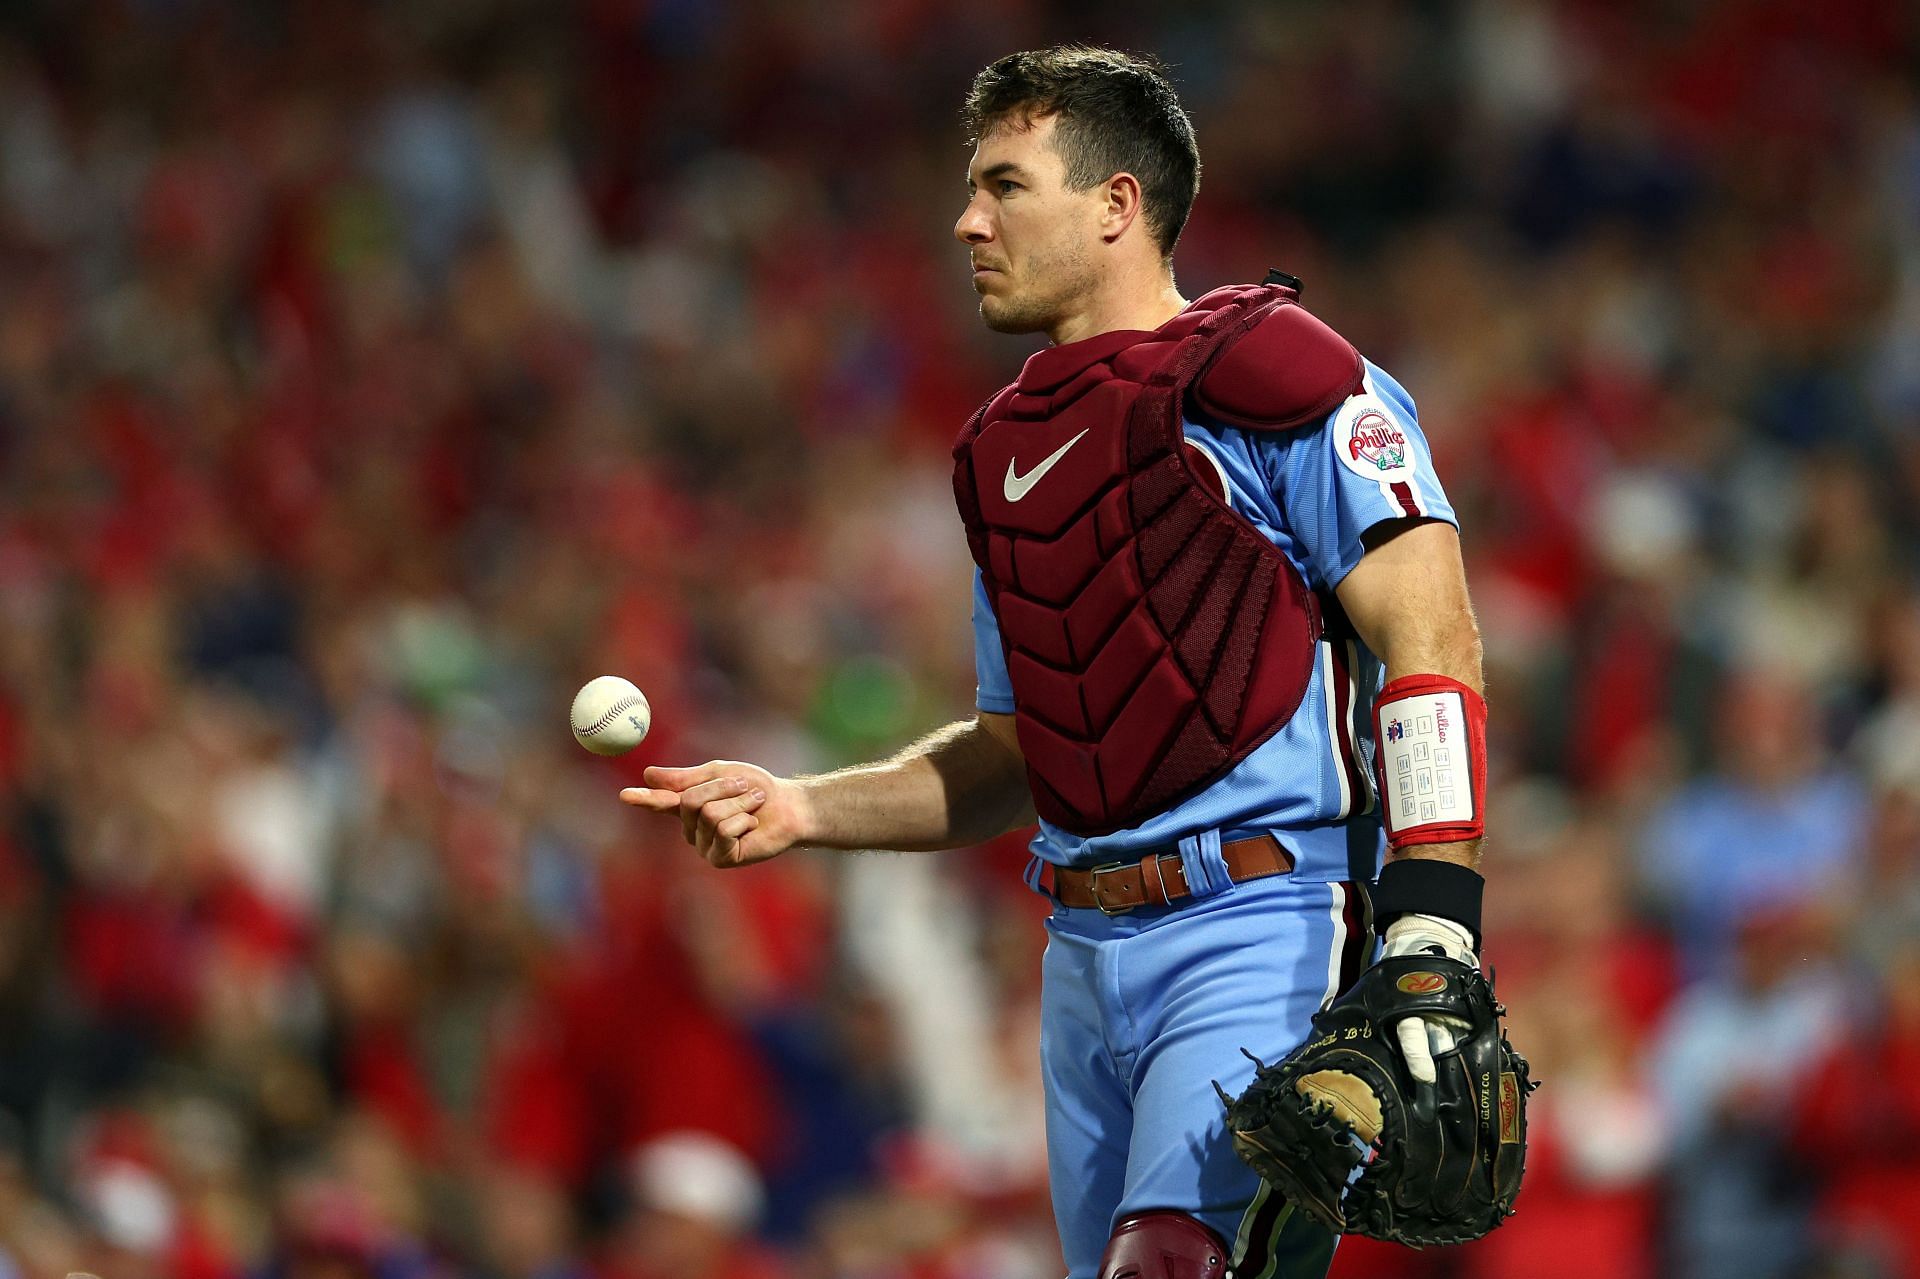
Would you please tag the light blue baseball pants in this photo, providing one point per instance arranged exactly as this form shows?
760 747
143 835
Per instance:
1140 1013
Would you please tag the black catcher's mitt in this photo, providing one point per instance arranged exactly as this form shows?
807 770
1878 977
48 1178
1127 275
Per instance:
1341 1128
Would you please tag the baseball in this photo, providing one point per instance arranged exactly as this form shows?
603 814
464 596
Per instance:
610 716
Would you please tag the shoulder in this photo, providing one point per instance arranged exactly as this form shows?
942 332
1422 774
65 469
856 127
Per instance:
1287 369
1373 431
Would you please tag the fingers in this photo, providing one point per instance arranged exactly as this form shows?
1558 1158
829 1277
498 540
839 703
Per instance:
709 802
687 803
664 785
1412 1034
721 847
717 812
715 803
736 826
679 779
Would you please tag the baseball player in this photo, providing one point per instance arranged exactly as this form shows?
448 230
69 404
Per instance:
1225 657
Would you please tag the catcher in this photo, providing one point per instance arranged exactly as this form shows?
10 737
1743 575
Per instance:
1209 539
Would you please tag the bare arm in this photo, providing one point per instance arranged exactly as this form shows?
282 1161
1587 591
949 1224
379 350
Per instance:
959 785
1408 599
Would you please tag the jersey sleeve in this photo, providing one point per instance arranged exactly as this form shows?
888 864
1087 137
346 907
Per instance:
1365 463
994 690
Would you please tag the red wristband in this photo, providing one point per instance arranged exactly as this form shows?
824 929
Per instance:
1430 760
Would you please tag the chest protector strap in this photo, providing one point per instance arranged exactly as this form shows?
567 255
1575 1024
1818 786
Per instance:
1153 636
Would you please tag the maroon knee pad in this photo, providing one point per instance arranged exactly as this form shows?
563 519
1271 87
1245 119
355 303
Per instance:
1163 1245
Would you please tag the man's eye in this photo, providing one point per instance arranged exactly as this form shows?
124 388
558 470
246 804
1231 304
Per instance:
1007 185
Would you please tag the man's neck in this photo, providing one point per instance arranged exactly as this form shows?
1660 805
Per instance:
1146 305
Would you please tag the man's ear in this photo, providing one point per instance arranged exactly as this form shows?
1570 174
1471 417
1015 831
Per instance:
1122 207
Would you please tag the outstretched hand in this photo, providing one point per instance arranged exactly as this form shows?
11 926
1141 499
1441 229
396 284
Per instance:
734 814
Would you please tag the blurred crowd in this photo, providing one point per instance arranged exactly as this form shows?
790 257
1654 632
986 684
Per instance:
373 374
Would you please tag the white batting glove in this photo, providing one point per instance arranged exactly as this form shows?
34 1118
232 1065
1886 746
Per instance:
1424 1038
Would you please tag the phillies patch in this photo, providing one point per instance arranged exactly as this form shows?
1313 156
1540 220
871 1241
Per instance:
1370 441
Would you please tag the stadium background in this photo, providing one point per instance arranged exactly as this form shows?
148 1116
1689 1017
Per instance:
372 374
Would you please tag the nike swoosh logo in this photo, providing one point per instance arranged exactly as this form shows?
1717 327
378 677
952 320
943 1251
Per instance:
1018 486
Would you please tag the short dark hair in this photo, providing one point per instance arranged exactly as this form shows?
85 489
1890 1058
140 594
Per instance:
1117 112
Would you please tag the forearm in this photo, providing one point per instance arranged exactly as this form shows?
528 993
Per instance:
1408 599
1447 644
955 786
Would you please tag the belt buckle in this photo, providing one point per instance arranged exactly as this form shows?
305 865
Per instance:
1093 886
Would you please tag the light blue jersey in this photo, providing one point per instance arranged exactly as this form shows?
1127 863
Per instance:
1139 1013
1314 492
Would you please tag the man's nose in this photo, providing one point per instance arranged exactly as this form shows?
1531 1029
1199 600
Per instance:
973 226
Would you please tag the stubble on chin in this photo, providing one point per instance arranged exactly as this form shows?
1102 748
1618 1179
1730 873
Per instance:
1005 315
1071 276
1030 311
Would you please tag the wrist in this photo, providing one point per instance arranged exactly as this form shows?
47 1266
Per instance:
805 795
1430 934
1430 760
1428 886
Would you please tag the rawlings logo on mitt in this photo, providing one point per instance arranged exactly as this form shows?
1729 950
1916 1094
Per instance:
1341 1128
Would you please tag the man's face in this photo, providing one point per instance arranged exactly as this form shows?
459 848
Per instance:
1032 240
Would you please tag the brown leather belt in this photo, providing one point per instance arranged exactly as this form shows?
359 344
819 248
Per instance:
1159 879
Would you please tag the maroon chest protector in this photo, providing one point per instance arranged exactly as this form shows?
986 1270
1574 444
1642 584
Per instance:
1153 636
